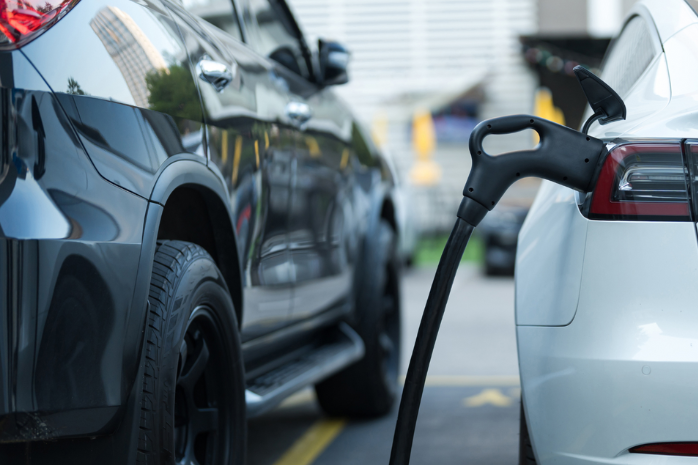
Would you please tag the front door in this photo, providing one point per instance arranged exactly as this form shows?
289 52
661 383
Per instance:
319 206
253 157
321 210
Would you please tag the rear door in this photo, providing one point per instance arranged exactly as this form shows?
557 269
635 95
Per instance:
250 154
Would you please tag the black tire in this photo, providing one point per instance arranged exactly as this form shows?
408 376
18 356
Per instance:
368 388
526 456
193 407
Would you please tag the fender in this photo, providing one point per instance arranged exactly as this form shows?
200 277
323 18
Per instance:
116 444
178 171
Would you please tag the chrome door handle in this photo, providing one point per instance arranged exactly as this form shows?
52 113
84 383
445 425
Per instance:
215 73
298 112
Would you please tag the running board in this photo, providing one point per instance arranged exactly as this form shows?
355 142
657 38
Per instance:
269 389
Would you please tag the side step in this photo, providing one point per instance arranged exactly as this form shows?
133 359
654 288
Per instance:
267 390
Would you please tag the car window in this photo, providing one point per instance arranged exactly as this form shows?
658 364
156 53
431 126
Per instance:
629 56
220 13
273 33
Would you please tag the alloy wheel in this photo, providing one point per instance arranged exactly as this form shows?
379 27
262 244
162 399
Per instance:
203 405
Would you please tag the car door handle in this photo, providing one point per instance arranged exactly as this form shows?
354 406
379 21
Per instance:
298 112
215 73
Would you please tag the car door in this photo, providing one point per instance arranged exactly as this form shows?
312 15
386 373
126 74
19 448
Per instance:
321 214
252 157
320 206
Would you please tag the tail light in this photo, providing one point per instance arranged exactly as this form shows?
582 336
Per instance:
23 20
688 449
642 181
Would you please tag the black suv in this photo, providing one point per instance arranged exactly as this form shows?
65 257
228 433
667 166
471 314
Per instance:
192 227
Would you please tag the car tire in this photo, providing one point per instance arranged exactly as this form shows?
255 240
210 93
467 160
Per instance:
368 388
193 396
526 456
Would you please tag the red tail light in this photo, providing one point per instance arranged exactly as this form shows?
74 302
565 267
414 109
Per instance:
642 181
689 449
22 20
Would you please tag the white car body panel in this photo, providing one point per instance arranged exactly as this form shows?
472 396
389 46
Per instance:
549 259
668 17
584 388
648 97
678 118
610 361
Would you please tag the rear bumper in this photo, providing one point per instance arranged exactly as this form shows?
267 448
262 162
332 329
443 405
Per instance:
62 314
584 409
624 372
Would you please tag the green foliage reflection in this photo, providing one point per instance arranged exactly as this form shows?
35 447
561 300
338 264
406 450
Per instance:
173 92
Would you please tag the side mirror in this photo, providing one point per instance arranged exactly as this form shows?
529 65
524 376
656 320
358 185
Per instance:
333 59
605 102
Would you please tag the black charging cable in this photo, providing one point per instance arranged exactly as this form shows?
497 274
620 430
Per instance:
564 156
426 338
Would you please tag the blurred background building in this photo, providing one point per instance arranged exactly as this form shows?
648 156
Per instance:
459 61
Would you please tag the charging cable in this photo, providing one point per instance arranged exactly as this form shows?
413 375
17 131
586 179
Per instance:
564 156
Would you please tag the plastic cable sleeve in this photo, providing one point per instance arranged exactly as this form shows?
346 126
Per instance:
424 344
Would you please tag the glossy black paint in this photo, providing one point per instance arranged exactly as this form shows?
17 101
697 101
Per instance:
101 158
70 246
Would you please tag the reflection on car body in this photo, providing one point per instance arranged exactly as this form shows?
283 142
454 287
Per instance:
124 171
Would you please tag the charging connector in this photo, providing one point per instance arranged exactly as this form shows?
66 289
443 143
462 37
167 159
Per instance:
564 156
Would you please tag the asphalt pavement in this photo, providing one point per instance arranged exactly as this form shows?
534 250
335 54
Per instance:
470 408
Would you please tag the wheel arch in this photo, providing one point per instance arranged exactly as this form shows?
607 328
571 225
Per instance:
195 209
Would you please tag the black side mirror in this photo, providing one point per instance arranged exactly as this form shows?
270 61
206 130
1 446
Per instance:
605 102
333 59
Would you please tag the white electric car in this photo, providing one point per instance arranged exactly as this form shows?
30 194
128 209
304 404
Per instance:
607 283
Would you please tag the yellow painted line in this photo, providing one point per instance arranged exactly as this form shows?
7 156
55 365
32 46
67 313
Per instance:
488 396
309 446
499 381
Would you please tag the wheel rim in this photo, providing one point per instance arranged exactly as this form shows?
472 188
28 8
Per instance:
203 394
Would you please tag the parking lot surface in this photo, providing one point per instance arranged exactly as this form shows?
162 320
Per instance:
470 408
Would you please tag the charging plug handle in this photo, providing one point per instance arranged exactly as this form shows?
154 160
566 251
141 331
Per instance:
564 156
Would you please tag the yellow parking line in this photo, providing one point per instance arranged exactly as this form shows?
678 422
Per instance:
309 446
490 396
470 380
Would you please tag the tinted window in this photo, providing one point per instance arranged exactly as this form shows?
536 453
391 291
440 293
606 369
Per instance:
220 13
273 33
629 56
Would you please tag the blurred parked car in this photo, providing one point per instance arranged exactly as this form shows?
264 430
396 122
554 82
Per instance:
192 227
606 282
499 231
